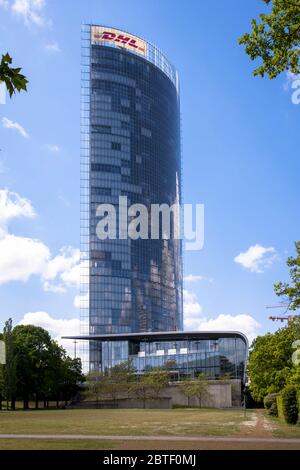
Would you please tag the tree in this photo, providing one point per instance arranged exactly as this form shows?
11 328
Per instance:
2 380
291 292
63 377
10 370
44 371
32 347
72 377
2 385
187 388
196 388
12 77
150 385
270 364
275 39
96 384
119 380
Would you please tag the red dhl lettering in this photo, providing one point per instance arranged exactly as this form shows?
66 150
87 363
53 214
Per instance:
107 36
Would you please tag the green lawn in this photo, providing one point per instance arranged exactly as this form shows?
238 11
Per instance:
180 422
30 444
176 422
281 429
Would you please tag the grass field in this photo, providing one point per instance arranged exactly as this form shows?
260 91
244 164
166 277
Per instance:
26 444
179 422
175 424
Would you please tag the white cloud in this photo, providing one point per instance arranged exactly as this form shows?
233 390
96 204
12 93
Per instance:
193 278
194 321
63 271
12 206
81 300
257 258
4 4
31 11
77 301
52 47
192 308
53 148
56 327
8 124
20 258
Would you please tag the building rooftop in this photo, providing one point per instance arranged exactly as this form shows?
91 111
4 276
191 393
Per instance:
161 335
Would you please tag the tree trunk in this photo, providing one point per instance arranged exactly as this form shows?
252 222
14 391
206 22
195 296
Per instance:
45 403
36 402
13 403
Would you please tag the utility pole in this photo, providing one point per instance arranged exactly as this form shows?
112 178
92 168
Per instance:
75 355
285 317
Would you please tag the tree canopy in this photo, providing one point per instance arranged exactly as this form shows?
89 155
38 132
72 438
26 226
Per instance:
37 367
275 39
291 292
270 364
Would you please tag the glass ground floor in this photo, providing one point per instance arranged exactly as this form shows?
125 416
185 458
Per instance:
184 354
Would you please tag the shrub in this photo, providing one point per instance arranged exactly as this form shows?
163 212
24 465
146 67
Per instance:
279 406
270 400
273 411
290 404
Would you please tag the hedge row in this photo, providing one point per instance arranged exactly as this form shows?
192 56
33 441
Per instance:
287 404
290 404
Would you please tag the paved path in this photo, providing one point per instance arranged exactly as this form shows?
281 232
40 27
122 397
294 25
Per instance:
75 437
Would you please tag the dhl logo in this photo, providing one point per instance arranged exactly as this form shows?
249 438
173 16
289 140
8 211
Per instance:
119 38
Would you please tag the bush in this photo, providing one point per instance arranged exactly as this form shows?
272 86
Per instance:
290 404
279 406
270 402
273 411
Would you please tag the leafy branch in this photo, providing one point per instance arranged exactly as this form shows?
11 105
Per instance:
12 77
275 39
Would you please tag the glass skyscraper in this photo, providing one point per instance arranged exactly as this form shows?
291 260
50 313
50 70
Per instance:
130 146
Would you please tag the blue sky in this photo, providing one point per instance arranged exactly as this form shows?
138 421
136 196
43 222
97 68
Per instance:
240 159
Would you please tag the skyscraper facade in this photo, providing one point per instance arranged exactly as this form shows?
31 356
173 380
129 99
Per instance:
130 147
